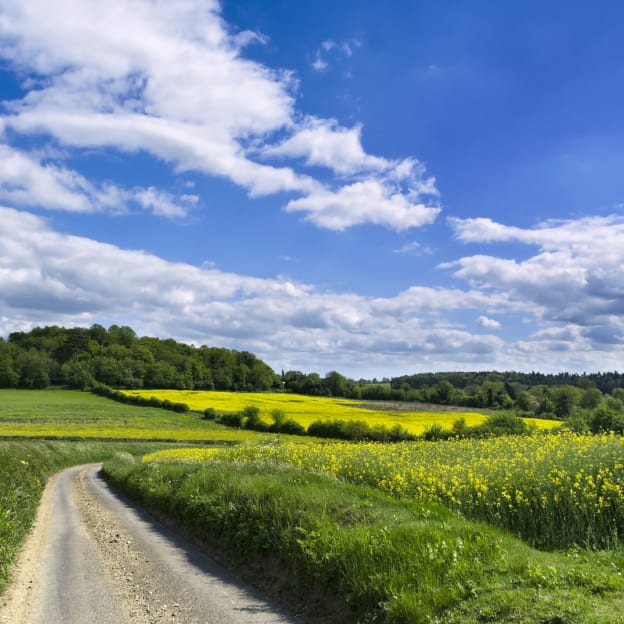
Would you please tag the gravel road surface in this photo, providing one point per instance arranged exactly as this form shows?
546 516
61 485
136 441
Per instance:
94 558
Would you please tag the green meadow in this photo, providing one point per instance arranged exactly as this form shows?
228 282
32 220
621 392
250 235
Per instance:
62 414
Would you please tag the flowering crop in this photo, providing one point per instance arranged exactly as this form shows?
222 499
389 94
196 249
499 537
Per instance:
553 491
306 409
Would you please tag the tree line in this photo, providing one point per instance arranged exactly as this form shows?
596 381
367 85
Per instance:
589 402
118 358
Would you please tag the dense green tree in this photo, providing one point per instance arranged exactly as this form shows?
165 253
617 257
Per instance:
604 419
590 398
78 372
33 368
9 377
335 384
313 384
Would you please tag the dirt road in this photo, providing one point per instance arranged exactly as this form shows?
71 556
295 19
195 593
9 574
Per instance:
93 558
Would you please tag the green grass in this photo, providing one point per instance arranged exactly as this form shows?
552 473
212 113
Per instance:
371 557
73 414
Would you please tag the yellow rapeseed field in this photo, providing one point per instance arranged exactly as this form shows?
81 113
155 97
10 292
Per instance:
553 490
306 409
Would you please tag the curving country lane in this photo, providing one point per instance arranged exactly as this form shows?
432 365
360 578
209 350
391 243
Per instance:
95 558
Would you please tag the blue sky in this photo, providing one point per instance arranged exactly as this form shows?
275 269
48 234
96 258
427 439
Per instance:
374 188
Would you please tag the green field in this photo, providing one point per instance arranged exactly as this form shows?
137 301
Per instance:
74 414
554 491
306 409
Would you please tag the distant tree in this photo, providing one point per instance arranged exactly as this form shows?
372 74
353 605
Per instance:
335 383
251 416
604 419
279 417
34 369
563 405
546 407
590 398
442 392
123 335
78 373
525 402
312 385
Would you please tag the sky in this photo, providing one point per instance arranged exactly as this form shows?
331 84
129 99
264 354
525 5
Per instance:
377 188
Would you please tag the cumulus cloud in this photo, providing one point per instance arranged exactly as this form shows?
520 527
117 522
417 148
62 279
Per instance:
488 323
50 277
369 201
574 279
325 143
170 79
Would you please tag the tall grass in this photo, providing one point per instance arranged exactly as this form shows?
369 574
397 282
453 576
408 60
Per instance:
554 491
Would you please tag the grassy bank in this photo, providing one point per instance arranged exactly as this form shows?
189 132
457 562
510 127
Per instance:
554 491
367 556
24 468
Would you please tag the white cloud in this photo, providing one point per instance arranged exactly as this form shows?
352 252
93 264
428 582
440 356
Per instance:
51 278
319 64
488 323
162 204
575 278
26 181
335 49
413 248
325 143
169 79
369 201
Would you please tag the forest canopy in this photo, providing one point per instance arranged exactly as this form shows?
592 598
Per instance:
117 357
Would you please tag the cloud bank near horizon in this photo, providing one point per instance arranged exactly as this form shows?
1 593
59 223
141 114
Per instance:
49 277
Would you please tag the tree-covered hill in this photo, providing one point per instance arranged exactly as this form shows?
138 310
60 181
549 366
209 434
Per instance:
117 357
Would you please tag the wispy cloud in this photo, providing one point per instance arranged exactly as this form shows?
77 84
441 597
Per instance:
330 49
27 181
414 248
